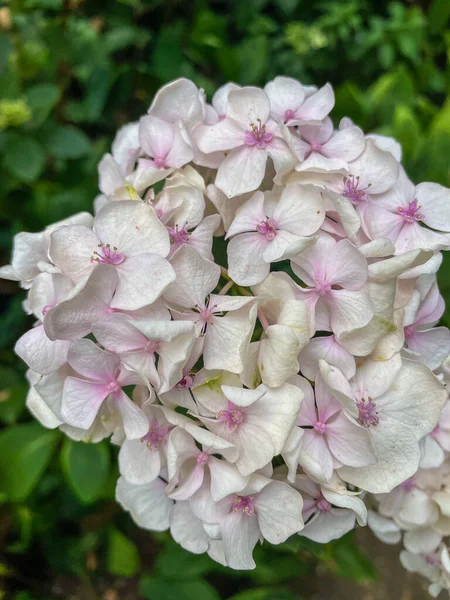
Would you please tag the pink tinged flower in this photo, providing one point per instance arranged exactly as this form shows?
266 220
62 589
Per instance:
201 238
330 439
141 460
91 300
372 173
290 102
30 251
258 422
248 137
179 100
400 213
326 348
188 465
42 354
148 504
430 345
335 274
329 511
323 149
138 342
128 236
259 239
167 146
105 378
398 402
266 509
226 322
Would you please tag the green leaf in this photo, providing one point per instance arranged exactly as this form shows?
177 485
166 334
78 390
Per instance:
167 56
350 561
407 131
123 556
25 451
265 594
175 563
5 50
252 55
438 15
25 158
66 143
41 99
152 588
13 404
86 468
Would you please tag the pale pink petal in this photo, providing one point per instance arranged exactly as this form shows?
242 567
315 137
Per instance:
81 401
349 442
87 359
223 136
138 463
72 250
434 201
279 509
135 421
39 352
142 279
240 533
133 228
242 171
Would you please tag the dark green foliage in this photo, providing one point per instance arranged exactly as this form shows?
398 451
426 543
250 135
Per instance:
71 73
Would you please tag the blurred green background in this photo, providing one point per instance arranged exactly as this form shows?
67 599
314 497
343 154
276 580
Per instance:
71 73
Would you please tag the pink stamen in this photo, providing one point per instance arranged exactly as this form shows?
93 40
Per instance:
408 485
186 382
258 136
233 417
267 228
202 458
352 191
367 412
244 504
46 308
432 558
322 504
178 237
156 435
107 255
160 162
411 212
288 115
316 146
320 427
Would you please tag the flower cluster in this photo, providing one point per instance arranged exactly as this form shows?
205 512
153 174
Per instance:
250 316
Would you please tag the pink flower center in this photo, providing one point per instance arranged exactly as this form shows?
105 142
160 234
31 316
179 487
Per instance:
320 427
108 255
322 504
46 308
151 346
233 417
186 382
160 162
316 146
289 114
113 386
178 237
258 136
202 458
408 485
410 333
156 435
353 192
432 558
435 431
322 286
267 228
411 212
367 412
244 504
